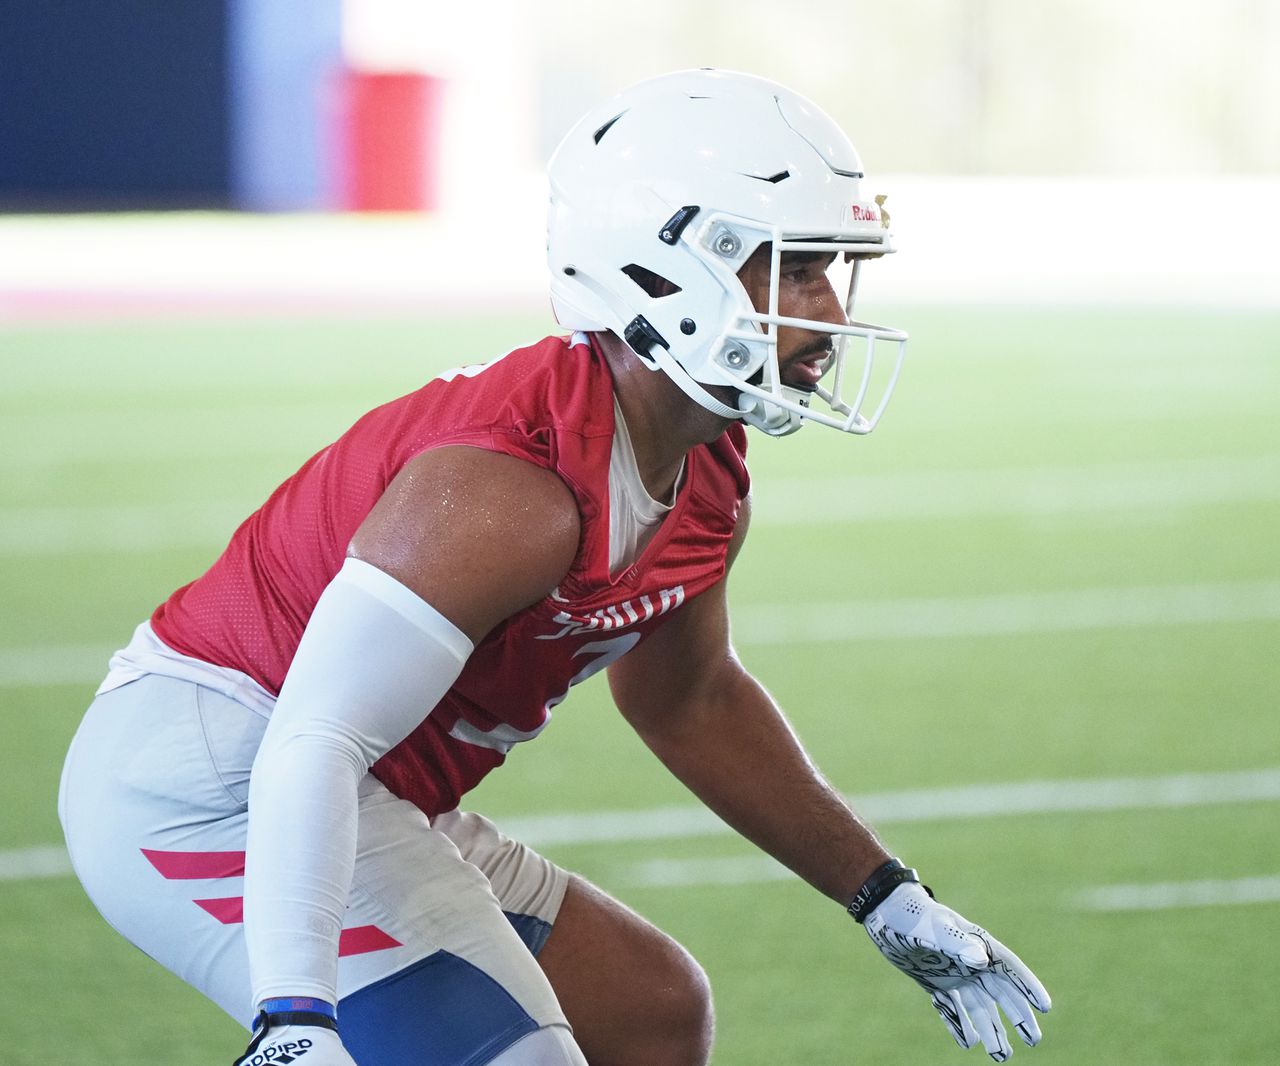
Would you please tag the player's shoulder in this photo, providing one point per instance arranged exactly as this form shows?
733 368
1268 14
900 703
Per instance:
559 381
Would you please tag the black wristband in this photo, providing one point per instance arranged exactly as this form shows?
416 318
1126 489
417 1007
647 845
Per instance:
277 1019
268 1020
883 880
301 1017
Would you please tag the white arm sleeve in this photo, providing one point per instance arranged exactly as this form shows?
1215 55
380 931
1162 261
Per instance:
373 662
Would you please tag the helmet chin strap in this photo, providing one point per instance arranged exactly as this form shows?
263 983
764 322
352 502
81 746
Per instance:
663 361
770 418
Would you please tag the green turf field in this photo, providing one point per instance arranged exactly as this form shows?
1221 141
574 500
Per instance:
1055 561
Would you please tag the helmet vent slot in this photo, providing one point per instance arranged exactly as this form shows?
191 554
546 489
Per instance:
598 136
782 175
654 285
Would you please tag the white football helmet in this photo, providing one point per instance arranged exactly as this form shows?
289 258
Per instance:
659 196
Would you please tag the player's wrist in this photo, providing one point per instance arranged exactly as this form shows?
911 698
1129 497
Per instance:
878 887
279 1011
290 1026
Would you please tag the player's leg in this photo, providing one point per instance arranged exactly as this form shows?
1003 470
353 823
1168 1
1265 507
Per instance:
458 985
430 973
632 994
156 832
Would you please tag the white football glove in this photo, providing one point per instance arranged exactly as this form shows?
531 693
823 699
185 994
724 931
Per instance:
305 1045
966 970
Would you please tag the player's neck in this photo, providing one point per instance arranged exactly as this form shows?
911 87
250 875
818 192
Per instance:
664 423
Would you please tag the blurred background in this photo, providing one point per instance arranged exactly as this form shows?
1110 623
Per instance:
1029 626
1080 149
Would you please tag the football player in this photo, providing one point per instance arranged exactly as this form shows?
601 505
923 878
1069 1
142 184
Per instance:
265 795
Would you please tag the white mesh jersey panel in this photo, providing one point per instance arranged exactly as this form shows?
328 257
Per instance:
634 515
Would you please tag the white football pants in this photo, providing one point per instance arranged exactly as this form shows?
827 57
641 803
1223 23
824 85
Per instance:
433 970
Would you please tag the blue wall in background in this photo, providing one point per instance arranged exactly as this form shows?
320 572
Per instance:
113 104
146 104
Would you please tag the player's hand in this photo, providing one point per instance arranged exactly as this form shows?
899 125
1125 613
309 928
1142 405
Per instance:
966 970
305 1045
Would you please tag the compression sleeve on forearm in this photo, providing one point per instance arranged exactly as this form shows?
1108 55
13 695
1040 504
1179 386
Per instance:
374 660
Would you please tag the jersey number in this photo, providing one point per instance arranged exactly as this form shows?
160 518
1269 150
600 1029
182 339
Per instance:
605 652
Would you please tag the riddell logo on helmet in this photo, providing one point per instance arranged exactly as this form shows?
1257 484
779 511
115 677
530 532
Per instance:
865 214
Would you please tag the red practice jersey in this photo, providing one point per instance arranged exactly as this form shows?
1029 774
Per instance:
550 404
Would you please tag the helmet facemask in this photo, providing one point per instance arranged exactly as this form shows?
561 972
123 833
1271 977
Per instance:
857 378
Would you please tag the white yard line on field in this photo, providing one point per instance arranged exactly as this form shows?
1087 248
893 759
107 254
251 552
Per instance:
1171 894
884 808
817 623
27 864
758 869
805 501
56 664
980 616
1019 491
691 873
923 805
81 445
121 528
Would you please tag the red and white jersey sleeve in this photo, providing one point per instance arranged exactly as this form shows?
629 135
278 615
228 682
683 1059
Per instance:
550 404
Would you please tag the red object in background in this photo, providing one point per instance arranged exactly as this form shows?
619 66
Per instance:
389 141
